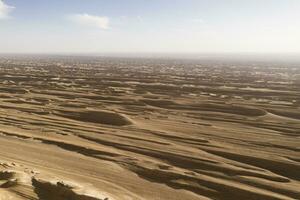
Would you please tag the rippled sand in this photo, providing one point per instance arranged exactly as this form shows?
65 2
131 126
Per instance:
118 129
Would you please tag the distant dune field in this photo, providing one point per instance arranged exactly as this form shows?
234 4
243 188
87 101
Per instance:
152 129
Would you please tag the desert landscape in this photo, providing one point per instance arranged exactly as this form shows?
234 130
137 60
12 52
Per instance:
95 128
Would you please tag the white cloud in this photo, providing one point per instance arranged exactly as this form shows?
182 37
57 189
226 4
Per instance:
140 19
200 21
5 10
90 20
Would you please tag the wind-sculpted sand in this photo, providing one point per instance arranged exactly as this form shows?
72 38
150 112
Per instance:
133 129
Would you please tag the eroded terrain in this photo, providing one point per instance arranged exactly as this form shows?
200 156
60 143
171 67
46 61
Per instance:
102 128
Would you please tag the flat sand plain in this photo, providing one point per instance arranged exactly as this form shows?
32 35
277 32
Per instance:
87 128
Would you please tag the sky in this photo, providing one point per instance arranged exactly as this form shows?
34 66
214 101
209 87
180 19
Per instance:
154 26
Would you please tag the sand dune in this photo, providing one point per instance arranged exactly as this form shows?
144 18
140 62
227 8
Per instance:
102 117
126 132
22 183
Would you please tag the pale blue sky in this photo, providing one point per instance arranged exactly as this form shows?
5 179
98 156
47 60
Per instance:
175 26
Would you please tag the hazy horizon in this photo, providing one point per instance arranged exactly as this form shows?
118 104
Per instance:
293 57
127 27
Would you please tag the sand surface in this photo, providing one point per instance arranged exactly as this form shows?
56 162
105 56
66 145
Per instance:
134 129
